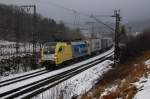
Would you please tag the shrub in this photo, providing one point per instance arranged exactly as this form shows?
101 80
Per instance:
135 45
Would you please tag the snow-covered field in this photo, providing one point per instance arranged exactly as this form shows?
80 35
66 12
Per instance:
143 85
9 57
8 49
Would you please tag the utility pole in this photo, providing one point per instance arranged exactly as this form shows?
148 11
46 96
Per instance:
93 34
76 21
17 36
117 31
34 33
35 36
17 30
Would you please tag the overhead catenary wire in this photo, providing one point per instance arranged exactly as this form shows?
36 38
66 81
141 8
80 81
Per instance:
99 21
84 14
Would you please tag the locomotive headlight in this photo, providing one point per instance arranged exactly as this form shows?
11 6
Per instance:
55 56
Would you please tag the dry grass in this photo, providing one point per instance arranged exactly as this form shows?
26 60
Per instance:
122 76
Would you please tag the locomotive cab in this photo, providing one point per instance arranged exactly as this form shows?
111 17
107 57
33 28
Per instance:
54 54
48 54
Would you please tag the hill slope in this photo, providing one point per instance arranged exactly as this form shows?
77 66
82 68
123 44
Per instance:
18 25
125 82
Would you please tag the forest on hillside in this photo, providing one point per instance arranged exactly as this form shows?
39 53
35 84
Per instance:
18 25
135 45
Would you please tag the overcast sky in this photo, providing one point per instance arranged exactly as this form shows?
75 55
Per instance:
130 9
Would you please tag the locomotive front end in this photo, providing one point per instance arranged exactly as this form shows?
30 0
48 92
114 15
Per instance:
48 55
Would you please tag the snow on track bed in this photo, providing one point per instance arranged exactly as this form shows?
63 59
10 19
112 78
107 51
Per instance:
78 84
20 74
33 86
63 76
20 78
19 84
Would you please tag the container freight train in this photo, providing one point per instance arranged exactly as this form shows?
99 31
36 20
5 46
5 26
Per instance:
54 54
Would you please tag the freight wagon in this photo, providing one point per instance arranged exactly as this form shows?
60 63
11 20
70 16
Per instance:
95 45
106 42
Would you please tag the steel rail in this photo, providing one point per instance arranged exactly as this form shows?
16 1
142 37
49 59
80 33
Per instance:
33 86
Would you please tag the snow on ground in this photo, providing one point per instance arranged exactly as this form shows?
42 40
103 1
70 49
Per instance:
78 84
143 85
9 57
19 74
8 49
107 90
4 42
147 63
143 88
34 79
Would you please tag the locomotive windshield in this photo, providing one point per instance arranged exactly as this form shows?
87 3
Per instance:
49 48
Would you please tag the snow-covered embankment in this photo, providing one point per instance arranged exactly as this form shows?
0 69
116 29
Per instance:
78 84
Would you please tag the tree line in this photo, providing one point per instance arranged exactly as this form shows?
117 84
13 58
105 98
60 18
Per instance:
18 25
135 45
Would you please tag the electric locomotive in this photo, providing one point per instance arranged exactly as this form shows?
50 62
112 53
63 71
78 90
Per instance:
54 54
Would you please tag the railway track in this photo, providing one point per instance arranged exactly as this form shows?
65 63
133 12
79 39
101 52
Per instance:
35 88
22 77
59 80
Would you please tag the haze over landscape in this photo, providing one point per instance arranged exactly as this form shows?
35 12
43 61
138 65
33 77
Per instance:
74 49
131 10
